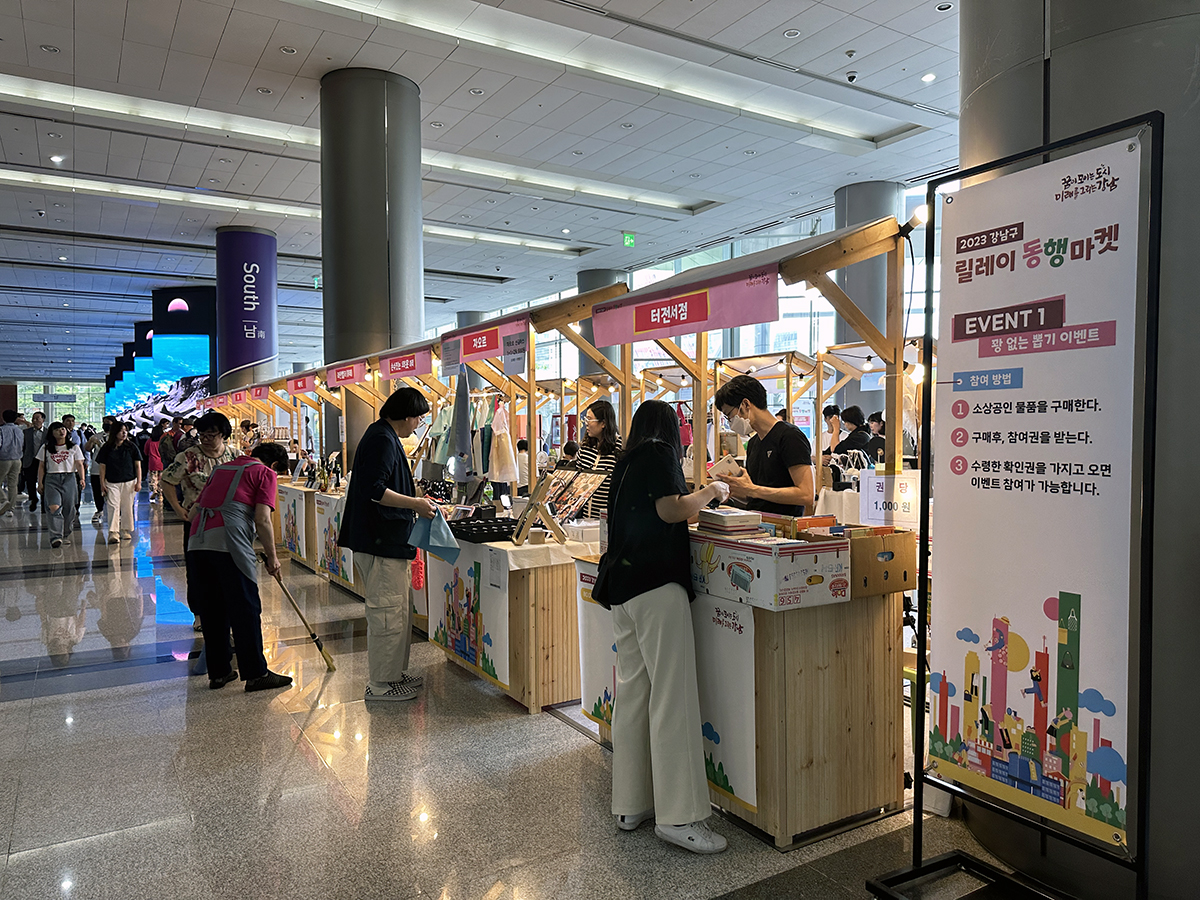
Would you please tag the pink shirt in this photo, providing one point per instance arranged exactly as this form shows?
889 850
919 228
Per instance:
258 485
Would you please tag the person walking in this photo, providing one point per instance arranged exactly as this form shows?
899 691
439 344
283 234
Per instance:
658 757
154 462
598 451
120 475
90 448
235 506
168 444
12 447
60 479
190 471
34 438
381 507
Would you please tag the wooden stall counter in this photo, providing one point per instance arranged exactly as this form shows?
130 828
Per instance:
298 517
801 706
508 614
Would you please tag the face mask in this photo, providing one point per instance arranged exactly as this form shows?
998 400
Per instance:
739 426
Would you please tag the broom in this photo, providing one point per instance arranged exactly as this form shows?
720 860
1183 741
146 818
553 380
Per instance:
312 634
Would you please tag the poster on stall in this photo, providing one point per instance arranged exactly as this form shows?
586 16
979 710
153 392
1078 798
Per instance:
468 609
1035 499
291 513
597 649
336 561
725 671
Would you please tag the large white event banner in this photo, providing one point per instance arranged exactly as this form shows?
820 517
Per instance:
1033 456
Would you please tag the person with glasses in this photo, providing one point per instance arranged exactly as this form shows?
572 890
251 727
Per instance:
381 507
190 470
598 451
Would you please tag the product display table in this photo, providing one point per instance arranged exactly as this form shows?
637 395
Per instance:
509 615
802 709
843 504
298 518
334 562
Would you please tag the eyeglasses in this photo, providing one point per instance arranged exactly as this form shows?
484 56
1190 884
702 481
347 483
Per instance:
209 434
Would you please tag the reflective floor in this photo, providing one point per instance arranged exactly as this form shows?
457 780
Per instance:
121 776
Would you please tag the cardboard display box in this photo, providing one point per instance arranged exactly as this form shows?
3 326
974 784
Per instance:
772 573
884 559
790 527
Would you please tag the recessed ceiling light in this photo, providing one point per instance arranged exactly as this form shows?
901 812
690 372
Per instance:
793 193
49 48
851 173
535 208
694 175
478 92
191 220
464 216
213 181
57 159
66 304
944 7
928 77
58 220
225 159
60 206
265 91
750 152
566 231
437 124
183 232
791 34
62 259
53 134
626 124
308 234
489 201
290 51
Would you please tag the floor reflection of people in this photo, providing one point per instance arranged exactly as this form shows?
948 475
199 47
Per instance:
121 607
58 595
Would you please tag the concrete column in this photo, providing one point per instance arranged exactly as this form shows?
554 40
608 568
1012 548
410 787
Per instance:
372 258
865 282
1025 79
247 314
461 320
589 280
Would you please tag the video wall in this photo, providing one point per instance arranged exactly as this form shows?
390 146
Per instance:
169 382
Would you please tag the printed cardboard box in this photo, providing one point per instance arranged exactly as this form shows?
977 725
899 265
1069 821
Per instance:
883 563
790 527
772 573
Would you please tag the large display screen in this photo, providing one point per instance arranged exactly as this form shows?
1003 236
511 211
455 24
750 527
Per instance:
170 382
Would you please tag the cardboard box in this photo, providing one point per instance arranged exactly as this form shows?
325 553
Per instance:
789 527
883 563
775 574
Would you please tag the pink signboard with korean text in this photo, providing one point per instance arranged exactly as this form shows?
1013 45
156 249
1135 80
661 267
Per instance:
302 384
419 362
485 341
220 401
352 373
261 392
748 298
238 396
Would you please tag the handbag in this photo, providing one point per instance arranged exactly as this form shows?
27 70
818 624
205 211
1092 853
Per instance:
601 587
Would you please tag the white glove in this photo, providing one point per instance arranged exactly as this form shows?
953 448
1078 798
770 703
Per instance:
721 489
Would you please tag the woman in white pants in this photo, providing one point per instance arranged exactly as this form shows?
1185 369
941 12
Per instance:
658 757
120 474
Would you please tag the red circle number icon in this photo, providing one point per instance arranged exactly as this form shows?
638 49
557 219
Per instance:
961 409
958 465
959 437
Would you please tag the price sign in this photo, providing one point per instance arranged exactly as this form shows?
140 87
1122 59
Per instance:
890 499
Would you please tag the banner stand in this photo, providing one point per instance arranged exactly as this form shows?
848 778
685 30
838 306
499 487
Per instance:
998 883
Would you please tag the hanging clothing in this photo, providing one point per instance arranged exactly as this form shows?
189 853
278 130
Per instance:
503 464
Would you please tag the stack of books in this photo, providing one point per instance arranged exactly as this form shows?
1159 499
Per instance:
729 524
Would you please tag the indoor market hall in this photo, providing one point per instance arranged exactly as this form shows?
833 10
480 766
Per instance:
553 449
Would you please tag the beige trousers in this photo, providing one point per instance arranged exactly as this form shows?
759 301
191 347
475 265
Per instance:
387 589
118 500
658 753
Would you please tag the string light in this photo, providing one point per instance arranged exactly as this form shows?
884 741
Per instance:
869 364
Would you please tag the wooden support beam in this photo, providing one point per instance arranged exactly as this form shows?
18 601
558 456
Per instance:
700 403
893 454
854 317
681 359
574 309
330 398
626 389
434 385
364 394
307 401
585 347
835 255
488 374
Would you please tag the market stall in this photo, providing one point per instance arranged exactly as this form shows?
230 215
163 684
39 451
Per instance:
298 520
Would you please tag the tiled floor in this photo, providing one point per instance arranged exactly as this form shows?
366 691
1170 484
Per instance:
123 777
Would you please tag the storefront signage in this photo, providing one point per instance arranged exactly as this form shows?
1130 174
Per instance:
451 355
407 364
220 401
1035 497
247 317
301 385
484 342
515 348
749 298
261 392
53 398
238 397
354 373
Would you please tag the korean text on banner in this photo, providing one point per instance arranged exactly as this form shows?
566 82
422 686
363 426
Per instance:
413 364
486 342
750 298
238 397
1030 667
302 385
354 373
261 392
451 354
515 348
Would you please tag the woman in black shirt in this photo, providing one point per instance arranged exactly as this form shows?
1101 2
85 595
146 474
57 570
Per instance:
120 474
859 437
601 444
658 757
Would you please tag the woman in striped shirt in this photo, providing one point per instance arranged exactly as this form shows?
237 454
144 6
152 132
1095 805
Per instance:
598 451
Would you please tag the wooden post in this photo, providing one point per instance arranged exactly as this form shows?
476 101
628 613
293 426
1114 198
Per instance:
531 426
700 403
820 429
788 385
894 387
626 389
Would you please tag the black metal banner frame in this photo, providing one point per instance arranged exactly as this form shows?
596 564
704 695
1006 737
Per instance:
922 870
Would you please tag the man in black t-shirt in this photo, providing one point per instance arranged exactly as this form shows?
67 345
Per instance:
778 475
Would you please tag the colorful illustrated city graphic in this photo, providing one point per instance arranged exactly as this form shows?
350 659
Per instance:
291 533
602 709
333 558
715 770
462 630
1055 757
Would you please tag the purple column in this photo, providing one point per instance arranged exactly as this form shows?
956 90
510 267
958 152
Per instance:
247 316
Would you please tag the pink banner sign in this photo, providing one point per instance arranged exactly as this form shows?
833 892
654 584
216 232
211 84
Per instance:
1069 337
220 401
417 363
483 342
750 298
353 373
302 385
238 396
261 392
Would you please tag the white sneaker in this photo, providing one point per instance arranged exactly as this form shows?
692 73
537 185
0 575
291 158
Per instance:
395 692
697 837
96 518
630 823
